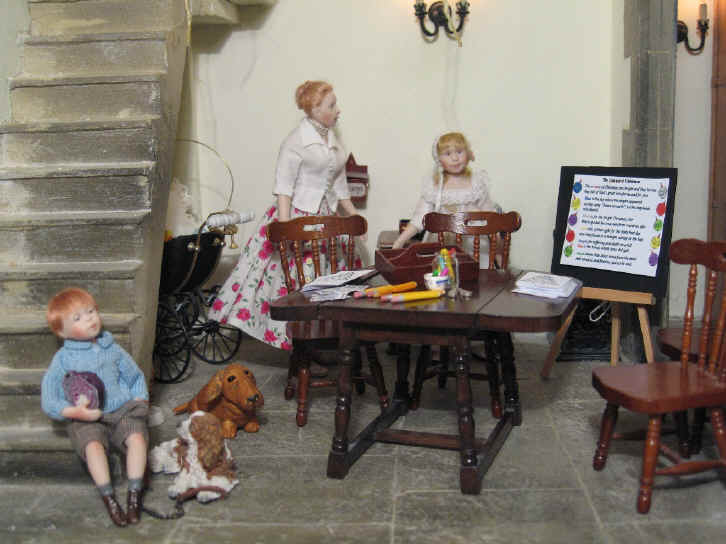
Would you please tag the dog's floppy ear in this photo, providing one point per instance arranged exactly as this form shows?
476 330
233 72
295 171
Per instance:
212 390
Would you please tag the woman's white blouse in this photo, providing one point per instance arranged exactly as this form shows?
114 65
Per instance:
309 168
454 200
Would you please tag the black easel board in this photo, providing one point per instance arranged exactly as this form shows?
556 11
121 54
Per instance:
613 227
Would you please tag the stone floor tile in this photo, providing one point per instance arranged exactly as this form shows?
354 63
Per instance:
312 532
531 458
496 516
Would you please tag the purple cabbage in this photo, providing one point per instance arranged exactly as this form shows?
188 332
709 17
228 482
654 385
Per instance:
76 384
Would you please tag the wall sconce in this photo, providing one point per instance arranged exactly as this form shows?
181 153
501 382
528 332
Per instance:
682 31
440 14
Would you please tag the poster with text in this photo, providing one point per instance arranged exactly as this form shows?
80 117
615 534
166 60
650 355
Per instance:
616 223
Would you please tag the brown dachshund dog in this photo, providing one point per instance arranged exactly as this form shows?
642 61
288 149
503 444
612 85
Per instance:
232 396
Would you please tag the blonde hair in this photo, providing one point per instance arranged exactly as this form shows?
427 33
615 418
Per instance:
63 303
311 94
458 141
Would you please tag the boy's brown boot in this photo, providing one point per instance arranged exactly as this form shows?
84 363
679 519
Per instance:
115 512
133 506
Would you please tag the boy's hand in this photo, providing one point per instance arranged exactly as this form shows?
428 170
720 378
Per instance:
81 412
90 415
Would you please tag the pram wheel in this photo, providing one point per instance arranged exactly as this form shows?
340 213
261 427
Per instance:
171 352
171 368
214 342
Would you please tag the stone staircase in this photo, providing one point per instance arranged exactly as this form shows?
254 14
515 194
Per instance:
85 164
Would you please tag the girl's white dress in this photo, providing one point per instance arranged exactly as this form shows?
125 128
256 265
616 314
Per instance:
435 197
312 172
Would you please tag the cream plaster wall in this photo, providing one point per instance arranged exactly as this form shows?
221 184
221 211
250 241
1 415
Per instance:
532 87
691 145
14 20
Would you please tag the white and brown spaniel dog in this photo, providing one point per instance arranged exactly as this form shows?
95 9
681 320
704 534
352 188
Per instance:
199 455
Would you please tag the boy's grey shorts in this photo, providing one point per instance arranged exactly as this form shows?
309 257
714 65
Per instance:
113 428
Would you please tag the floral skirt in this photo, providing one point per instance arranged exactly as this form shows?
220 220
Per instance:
257 280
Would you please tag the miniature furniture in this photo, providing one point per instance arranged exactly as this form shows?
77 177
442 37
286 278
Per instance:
182 325
615 297
498 228
357 179
669 340
674 386
444 322
307 332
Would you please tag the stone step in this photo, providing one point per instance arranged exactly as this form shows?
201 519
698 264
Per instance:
53 18
32 286
95 54
84 98
106 236
26 427
94 142
25 381
80 191
76 170
26 342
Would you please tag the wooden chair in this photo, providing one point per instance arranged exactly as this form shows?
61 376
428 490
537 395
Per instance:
498 228
673 386
322 233
669 341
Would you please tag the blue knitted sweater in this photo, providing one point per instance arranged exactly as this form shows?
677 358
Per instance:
121 377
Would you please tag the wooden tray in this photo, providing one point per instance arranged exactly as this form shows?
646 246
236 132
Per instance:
411 263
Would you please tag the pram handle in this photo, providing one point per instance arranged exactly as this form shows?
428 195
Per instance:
229 217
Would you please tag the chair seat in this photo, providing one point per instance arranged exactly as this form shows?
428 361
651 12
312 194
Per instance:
658 388
318 330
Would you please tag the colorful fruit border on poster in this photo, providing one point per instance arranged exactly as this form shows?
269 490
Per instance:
613 227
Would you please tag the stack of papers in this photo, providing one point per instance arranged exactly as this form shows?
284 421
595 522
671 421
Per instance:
337 279
333 293
545 285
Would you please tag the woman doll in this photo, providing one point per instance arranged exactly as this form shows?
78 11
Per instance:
453 187
310 179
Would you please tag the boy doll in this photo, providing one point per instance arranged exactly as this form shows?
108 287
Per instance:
119 419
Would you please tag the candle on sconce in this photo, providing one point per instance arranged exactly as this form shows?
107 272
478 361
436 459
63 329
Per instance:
702 12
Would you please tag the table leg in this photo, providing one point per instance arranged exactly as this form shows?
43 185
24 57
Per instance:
403 365
469 479
424 361
337 460
377 374
505 350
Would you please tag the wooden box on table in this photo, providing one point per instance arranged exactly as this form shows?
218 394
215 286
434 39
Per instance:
412 262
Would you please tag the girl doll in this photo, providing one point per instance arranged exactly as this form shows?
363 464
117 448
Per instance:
309 180
454 187
118 414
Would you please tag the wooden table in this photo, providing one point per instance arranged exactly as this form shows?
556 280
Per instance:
443 322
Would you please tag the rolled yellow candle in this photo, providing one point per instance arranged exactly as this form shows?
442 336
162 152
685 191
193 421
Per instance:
387 289
413 295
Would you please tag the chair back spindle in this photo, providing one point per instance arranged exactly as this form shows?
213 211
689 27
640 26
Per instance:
711 256
497 227
314 230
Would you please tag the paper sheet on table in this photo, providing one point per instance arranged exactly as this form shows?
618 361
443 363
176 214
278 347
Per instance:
333 293
337 279
545 285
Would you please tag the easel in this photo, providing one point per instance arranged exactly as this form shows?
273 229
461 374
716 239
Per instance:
615 297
